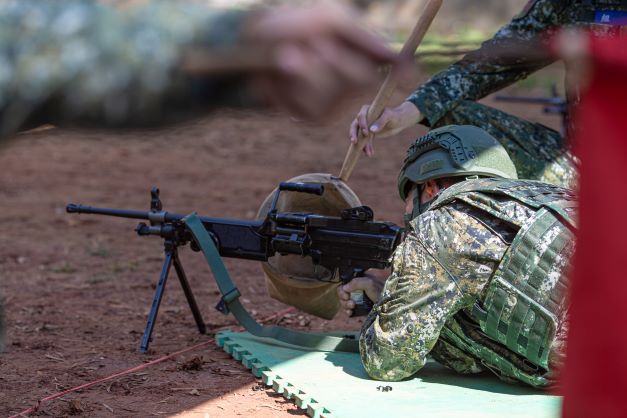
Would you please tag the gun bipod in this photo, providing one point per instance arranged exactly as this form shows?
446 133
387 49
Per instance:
171 258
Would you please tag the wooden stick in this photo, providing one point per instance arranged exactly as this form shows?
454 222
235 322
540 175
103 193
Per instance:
389 85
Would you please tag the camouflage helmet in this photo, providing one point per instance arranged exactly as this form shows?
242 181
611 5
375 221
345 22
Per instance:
454 150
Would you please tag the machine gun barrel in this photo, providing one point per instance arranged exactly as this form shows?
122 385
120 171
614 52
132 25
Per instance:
122 213
234 238
151 215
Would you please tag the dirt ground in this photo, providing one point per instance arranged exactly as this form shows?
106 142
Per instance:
77 289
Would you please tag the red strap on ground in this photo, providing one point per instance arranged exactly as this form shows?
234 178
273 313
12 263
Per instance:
104 379
595 375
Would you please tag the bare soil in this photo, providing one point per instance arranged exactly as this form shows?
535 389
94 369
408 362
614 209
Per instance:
77 289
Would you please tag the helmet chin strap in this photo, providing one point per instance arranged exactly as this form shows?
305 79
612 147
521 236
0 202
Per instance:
419 208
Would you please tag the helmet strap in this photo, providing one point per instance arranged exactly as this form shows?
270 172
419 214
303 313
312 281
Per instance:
419 208
408 217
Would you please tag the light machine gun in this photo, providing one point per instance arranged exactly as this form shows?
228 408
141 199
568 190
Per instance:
347 246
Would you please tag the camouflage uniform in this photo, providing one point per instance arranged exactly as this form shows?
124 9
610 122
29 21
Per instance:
449 97
442 277
81 61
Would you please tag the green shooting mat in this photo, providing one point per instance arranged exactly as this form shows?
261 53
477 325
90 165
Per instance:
335 385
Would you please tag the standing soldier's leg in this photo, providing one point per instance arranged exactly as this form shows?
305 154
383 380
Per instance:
539 152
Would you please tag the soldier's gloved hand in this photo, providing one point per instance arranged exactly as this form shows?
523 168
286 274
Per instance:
392 121
320 56
368 283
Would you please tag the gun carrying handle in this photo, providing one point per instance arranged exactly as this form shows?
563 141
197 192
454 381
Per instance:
389 85
311 188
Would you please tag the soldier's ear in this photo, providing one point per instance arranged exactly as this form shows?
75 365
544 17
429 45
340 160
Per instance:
430 188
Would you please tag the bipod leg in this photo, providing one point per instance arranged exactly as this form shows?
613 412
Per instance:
156 301
188 292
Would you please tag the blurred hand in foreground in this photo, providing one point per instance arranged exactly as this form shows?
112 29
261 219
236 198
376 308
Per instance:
172 61
318 57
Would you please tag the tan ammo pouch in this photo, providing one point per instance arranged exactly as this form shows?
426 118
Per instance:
295 280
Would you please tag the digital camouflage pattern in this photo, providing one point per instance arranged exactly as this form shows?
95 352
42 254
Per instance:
489 69
538 152
81 61
420 296
518 327
439 272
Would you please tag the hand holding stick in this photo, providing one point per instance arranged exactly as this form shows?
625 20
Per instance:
389 85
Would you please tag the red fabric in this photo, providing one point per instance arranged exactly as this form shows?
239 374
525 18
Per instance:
594 380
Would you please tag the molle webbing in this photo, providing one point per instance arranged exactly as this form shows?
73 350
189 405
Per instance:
525 297
526 293
494 360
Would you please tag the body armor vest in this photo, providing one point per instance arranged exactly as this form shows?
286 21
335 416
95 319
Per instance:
513 325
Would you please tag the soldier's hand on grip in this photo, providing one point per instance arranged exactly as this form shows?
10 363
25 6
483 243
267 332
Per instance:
392 121
367 284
